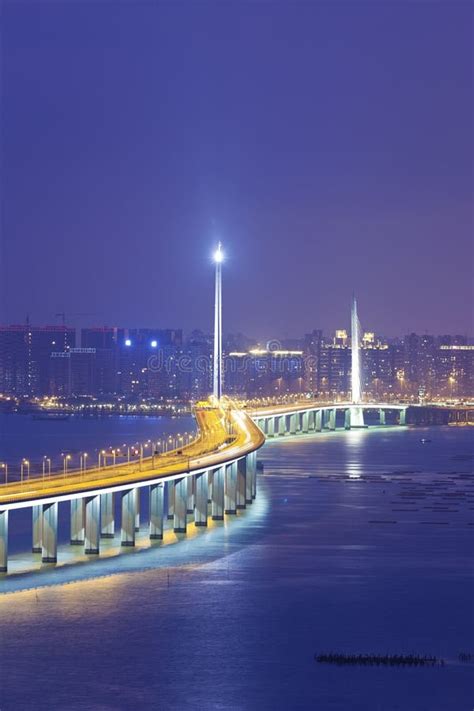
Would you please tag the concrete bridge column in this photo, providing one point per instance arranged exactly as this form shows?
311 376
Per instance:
403 417
347 419
249 481
92 524
293 424
217 509
210 480
254 481
305 422
170 499
190 499
49 538
3 541
271 427
357 417
261 424
382 417
77 522
127 533
318 420
37 521
137 508
282 425
156 497
230 489
107 519
241 482
311 421
201 499
180 504
332 419
252 467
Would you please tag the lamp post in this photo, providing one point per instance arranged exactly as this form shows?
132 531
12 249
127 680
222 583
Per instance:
66 459
25 464
83 461
3 465
46 461
217 362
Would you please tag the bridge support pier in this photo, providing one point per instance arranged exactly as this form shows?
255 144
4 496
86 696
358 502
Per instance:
251 466
230 488
210 481
107 521
92 524
293 424
402 417
271 427
180 503
49 538
318 420
305 423
282 426
3 541
357 417
254 480
201 500
347 419
137 508
36 520
156 511
190 501
217 508
382 420
127 532
241 482
170 499
77 522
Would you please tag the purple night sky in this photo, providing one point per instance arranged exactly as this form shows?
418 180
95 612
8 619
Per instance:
328 145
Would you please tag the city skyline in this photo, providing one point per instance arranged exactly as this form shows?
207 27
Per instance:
122 201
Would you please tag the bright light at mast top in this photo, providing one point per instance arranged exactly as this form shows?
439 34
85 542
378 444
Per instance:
219 254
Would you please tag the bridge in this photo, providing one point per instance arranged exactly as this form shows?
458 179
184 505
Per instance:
217 470
308 416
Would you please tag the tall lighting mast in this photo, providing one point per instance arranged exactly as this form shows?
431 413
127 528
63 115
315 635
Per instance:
217 363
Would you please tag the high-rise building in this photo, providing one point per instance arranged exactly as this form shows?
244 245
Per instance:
25 352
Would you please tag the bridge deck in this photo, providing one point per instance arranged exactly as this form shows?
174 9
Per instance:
213 447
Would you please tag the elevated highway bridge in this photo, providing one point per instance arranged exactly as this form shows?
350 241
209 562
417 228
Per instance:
215 474
218 468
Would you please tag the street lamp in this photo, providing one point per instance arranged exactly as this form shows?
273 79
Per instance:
83 461
46 461
66 459
25 464
3 465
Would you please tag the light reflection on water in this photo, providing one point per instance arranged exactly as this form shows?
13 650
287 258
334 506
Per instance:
231 618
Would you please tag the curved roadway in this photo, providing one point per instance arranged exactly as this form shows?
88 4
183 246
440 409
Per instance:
213 446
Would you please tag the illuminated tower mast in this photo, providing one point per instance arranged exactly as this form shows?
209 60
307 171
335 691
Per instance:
356 413
355 370
217 364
